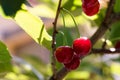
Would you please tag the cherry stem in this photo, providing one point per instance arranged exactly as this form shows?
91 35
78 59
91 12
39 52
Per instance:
63 18
76 26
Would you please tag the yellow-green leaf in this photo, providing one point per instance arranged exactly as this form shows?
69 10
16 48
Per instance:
34 27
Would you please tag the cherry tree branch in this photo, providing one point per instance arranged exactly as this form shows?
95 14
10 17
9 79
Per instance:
54 38
60 74
105 25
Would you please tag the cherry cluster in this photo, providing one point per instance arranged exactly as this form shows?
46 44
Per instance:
90 7
71 56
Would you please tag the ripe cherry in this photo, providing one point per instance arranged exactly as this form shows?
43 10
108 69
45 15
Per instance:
89 1
82 46
64 54
90 7
117 45
74 64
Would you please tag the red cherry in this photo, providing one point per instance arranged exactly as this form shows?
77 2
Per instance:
82 46
74 64
64 54
89 1
117 45
90 7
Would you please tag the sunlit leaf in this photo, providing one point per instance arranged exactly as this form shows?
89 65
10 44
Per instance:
42 10
33 26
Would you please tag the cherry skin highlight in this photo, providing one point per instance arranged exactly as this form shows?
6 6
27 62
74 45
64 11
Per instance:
64 54
81 46
74 64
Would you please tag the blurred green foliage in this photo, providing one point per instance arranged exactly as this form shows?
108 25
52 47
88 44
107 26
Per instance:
116 7
115 33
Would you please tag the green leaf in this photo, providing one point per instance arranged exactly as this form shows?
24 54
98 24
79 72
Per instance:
10 7
115 32
34 27
5 59
4 54
117 6
65 39
5 67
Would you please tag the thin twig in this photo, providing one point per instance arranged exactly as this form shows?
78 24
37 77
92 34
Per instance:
105 51
54 38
